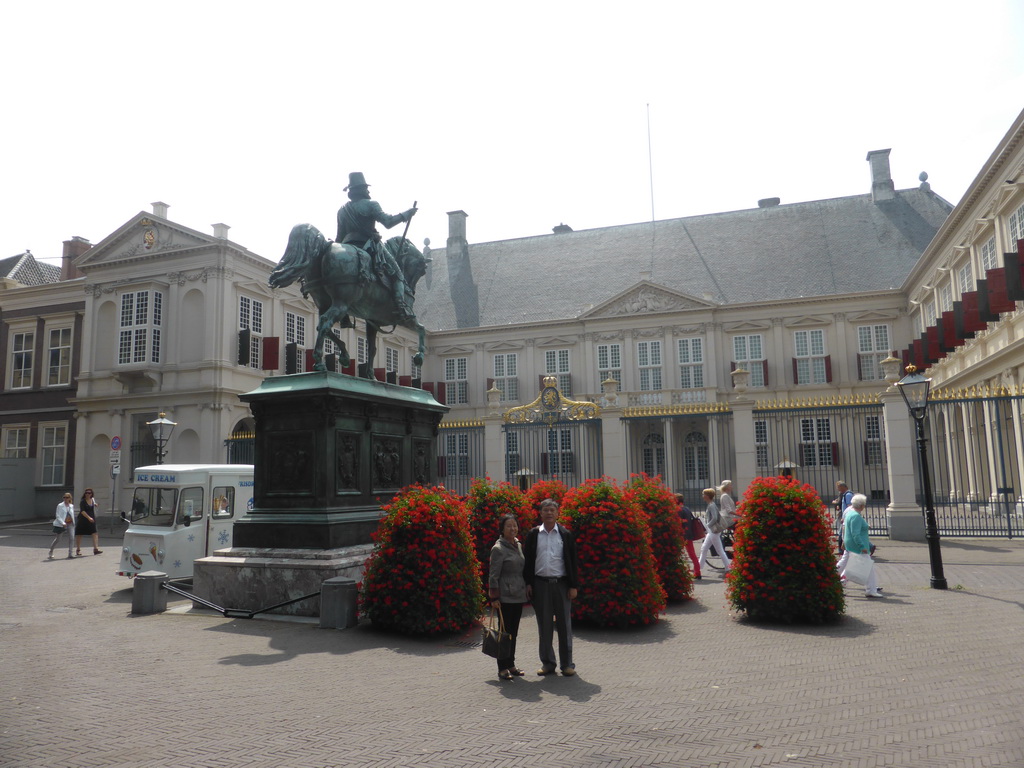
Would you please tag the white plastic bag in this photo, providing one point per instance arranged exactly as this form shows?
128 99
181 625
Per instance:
858 568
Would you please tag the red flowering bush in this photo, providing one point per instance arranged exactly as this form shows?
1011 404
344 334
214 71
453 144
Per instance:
544 489
618 581
667 539
422 576
783 568
487 504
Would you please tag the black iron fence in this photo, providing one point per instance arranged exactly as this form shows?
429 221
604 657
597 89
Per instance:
460 455
568 450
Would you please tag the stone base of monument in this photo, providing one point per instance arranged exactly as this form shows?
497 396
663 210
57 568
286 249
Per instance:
250 579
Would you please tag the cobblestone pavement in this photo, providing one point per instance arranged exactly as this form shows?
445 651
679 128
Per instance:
921 678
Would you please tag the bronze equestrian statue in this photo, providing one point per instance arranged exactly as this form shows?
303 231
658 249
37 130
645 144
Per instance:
357 276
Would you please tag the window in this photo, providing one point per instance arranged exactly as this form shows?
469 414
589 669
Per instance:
15 445
874 450
362 350
929 314
59 356
559 460
816 442
140 338
748 353
250 316
505 376
556 363
946 298
456 385
52 452
965 278
391 359
691 363
1016 225
872 349
652 455
21 360
295 333
511 452
810 366
417 371
648 363
456 455
223 504
988 255
609 362
696 469
761 442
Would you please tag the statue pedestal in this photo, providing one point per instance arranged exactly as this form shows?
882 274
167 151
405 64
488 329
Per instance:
330 449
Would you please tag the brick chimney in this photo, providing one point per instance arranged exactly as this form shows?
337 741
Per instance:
73 248
160 209
882 187
460 273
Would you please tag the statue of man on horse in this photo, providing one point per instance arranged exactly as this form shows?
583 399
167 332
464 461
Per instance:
357 275
356 226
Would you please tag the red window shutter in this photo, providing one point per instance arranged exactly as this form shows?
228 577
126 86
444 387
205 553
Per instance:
271 353
860 369
428 386
835 454
291 358
442 392
310 362
934 351
828 368
973 322
984 309
244 337
380 374
998 298
405 381
1014 268
949 338
905 359
764 368
350 369
917 354
796 377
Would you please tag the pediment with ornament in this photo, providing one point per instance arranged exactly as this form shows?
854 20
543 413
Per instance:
643 298
145 236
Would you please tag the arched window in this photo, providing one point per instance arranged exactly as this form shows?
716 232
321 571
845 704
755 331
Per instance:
695 460
653 454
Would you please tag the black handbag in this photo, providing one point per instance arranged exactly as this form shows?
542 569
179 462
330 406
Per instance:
497 643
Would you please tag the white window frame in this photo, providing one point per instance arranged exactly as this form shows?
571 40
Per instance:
987 255
816 441
747 357
691 362
16 443
648 365
456 454
929 314
140 324
53 452
557 363
62 351
965 278
761 442
560 455
22 357
295 333
652 455
696 460
362 350
250 315
391 359
609 363
506 365
810 353
513 460
456 378
874 450
946 297
872 349
1015 227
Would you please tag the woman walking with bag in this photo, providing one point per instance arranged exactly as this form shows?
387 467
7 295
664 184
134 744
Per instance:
85 524
507 588
693 529
64 522
855 539
715 525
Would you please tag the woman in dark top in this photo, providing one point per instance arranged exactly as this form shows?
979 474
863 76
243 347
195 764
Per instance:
507 587
85 525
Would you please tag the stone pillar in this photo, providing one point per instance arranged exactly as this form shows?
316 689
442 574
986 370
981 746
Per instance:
906 522
494 448
614 438
745 448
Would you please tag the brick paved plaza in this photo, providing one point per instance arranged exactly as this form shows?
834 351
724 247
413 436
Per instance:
921 678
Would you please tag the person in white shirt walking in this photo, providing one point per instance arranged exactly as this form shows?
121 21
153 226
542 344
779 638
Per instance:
64 522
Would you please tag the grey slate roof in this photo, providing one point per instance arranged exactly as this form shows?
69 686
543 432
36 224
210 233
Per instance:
820 248
26 270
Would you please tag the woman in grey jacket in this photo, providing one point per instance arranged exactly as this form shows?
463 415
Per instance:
507 587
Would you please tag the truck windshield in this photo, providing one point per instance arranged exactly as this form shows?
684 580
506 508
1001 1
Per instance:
154 506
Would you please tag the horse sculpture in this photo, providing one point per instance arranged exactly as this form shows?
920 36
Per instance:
341 281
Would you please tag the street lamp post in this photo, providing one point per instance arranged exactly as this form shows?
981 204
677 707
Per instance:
914 388
161 428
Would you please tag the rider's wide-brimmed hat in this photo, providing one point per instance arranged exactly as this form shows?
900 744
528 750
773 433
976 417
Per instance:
355 179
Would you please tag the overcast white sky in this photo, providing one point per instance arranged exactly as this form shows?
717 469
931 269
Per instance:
525 115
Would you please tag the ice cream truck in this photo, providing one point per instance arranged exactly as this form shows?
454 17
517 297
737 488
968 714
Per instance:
181 512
